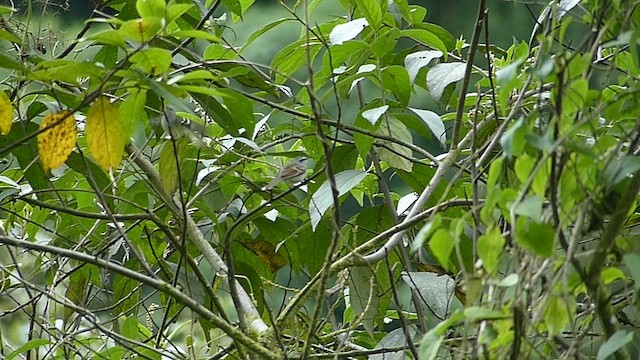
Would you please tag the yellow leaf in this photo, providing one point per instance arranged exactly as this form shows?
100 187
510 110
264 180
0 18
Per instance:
169 166
56 143
105 134
6 114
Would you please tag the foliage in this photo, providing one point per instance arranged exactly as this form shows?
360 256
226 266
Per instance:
134 220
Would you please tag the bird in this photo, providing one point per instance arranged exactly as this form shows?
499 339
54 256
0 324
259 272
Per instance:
294 171
178 128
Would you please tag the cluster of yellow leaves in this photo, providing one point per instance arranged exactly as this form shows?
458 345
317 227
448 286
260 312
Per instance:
57 137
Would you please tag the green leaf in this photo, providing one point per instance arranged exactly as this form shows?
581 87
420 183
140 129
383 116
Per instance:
445 36
425 37
150 8
241 108
292 57
396 79
556 315
616 342
236 8
535 237
490 245
347 31
174 11
108 37
371 11
430 345
154 61
426 232
441 246
513 140
8 63
611 274
363 142
6 35
33 171
363 296
477 313
90 170
417 14
495 173
170 164
574 97
218 113
132 110
126 292
402 7
141 30
530 207
322 199
442 75
195 34
30 345
130 328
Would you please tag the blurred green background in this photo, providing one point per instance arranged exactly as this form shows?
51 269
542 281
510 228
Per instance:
508 19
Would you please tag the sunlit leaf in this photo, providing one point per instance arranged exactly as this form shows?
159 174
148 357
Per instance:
322 199
150 8
105 134
153 61
372 115
347 31
142 30
556 315
489 248
435 124
399 157
442 75
417 60
58 140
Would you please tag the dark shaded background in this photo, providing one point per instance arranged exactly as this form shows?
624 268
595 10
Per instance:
507 19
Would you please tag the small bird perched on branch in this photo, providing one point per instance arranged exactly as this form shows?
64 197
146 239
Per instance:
295 171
